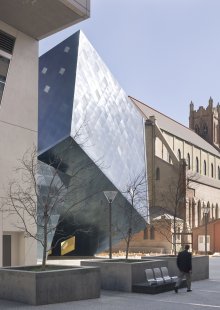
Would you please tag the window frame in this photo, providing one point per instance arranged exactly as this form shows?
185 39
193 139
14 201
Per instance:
197 164
188 161
212 170
204 167
9 57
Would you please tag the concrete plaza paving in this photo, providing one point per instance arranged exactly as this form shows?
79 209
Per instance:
205 295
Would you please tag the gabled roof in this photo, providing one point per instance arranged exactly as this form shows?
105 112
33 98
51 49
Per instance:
171 126
166 216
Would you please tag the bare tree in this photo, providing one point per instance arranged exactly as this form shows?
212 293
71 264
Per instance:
174 200
136 214
38 196
168 226
169 216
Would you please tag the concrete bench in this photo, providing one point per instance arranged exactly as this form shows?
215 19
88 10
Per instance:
145 288
157 281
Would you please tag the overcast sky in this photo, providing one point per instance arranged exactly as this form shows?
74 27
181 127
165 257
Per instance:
164 53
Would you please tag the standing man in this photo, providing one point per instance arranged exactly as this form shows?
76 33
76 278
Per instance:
184 263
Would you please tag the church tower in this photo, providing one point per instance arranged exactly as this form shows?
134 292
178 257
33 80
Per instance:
206 122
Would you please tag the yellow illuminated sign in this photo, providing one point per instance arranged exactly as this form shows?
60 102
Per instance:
68 246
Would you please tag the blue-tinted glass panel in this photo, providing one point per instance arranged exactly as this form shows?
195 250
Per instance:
57 72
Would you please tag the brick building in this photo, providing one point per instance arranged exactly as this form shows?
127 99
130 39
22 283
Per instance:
213 240
183 167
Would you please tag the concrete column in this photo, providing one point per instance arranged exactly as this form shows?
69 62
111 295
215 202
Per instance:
190 214
1 239
217 211
211 212
187 212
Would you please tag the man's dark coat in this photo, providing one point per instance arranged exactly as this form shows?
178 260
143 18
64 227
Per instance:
184 261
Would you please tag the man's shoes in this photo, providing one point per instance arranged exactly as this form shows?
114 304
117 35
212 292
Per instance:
176 289
189 290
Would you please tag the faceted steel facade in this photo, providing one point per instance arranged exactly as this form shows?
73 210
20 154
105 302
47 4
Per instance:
86 116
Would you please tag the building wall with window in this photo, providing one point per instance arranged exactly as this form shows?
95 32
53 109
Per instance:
149 241
189 151
213 242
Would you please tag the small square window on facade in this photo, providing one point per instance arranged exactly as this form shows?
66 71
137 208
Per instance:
44 70
67 49
62 70
46 89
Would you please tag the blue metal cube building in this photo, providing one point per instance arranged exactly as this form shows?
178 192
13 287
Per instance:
86 116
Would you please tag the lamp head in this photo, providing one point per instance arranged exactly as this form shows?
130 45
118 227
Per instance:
110 195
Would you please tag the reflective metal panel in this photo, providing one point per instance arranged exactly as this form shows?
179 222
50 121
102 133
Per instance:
114 128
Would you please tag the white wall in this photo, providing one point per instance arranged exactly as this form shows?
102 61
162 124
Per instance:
18 128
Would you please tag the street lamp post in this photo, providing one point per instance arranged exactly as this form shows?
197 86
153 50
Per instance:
205 210
110 196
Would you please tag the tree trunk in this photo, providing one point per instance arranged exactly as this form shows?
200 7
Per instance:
126 252
45 241
128 243
174 235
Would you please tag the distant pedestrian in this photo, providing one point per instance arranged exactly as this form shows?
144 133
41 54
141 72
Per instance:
184 264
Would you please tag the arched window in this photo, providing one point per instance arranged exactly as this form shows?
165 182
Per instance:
215 133
197 129
204 167
218 172
188 161
146 233
158 173
212 170
204 130
152 233
197 164
178 237
199 213
179 154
